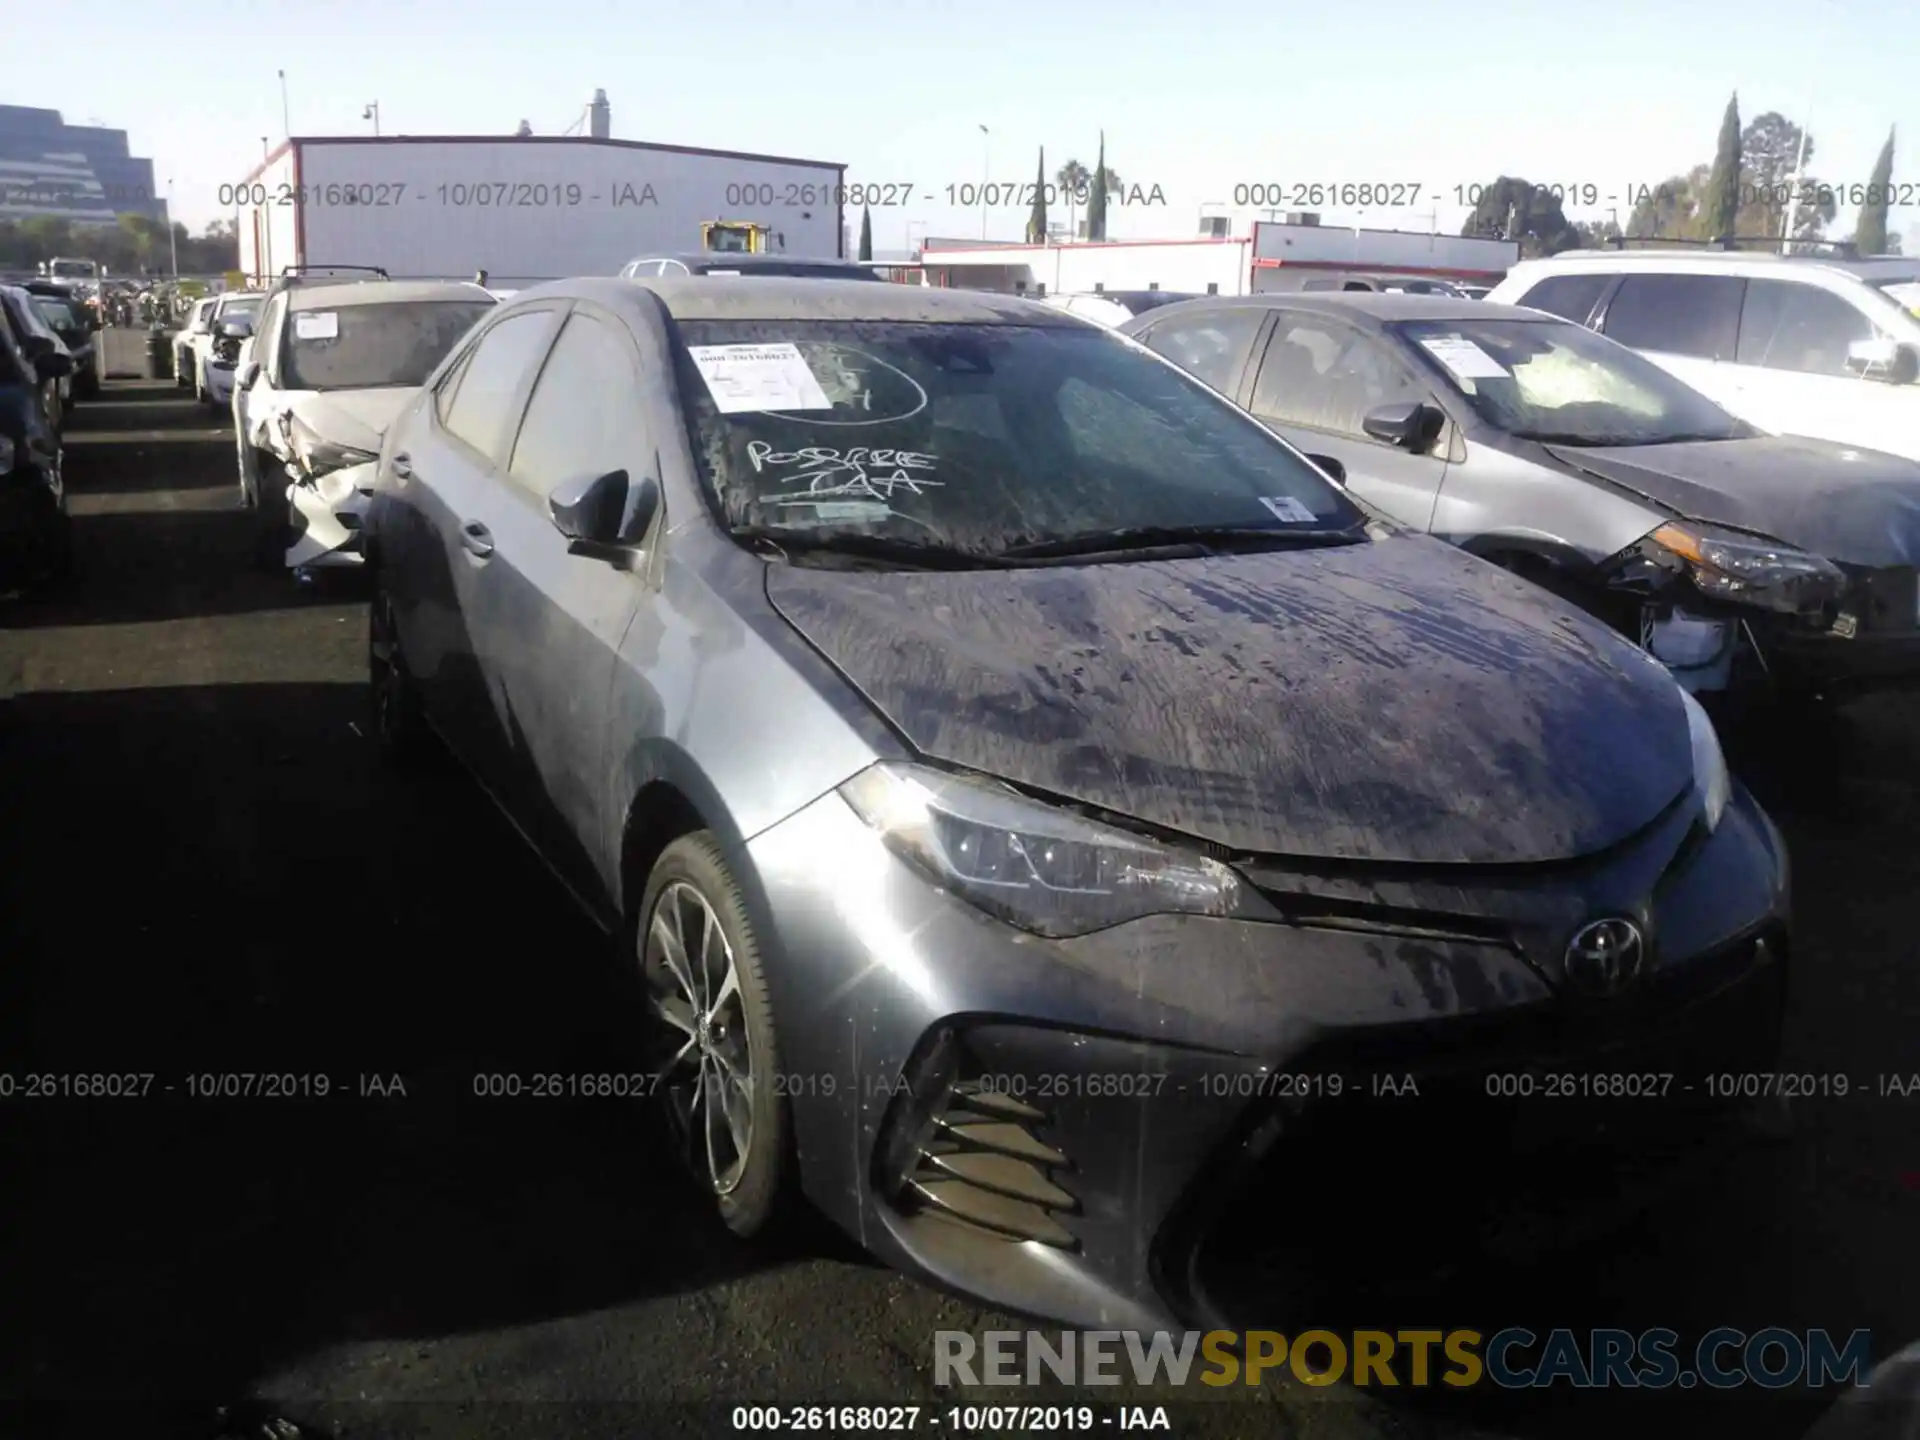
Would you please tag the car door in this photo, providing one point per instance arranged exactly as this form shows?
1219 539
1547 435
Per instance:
447 467
1215 345
1318 379
549 622
1688 324
1792 366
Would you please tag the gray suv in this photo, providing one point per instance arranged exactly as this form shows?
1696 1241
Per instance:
1731 555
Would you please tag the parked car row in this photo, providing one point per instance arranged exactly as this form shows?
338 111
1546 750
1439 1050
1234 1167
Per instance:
36 544
953 702
1736 556
963 704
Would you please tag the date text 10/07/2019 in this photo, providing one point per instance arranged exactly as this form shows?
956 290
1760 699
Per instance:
955 1419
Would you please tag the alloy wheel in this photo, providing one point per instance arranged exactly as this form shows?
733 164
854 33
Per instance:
693 987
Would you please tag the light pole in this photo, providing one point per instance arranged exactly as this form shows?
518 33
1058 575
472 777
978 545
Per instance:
372 112
286 124
986 175
173 239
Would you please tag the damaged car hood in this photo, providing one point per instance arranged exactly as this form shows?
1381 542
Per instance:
1392 701
347 417
1856 507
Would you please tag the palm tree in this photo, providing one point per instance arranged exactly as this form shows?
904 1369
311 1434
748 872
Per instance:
1072 178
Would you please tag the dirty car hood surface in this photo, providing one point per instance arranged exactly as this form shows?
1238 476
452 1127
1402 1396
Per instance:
1857 507
1393 701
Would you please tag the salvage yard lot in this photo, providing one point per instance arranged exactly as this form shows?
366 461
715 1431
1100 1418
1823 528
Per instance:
207 874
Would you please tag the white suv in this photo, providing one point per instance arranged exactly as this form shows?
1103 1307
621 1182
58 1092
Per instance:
1798 346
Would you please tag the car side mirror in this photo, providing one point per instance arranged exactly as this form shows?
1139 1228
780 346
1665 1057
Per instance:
1409 425
35 347
249 372
238 328
1896 363
1335 470
603 514
51 364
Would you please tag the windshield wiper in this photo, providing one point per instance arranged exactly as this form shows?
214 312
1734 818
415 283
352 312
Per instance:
1208 537
924 554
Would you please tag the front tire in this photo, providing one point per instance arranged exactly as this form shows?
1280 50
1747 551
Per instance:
399 728
706 990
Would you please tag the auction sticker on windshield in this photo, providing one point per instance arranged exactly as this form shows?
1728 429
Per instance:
1289 509
747 378
1463 358
317 325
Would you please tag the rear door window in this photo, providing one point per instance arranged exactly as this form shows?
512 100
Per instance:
1211 347
1571 297
1692 315
485 408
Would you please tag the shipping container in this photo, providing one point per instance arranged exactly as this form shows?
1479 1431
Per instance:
1217 265
522 208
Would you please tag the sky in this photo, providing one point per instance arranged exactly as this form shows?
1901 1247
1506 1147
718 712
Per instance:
1197 99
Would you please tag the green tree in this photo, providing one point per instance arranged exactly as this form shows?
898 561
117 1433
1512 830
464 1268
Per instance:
1037 219
1670 210
866 232
1772 158
1870 233
1722 207
1073 179
1097 198
1596 234
1515 209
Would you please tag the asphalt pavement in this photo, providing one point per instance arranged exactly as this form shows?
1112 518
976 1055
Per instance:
205 876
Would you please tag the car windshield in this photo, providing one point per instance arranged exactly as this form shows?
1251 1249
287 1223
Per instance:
978 438
248 306
60 314
1904 293
70 270
372 347
1552 381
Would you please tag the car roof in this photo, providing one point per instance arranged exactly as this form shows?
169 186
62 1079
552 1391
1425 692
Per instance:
1874 268
1379 307
227 295
780 297
337 295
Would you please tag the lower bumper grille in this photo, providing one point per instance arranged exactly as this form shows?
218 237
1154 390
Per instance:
958 1149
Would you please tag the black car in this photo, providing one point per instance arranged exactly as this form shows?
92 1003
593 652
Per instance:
35 541
74 321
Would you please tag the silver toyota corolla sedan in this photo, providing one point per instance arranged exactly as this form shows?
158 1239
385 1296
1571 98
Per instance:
1036 804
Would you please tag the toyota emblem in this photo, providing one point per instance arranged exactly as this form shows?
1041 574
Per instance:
1605 957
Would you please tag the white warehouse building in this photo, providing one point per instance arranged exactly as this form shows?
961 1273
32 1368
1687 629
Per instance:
522 208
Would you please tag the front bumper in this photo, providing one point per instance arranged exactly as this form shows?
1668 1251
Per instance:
1064 1128
326 517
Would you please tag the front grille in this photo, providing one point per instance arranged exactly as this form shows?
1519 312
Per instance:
1885 601
972 1155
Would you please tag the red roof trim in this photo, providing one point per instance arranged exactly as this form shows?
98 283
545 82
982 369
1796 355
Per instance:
1374 267
267 164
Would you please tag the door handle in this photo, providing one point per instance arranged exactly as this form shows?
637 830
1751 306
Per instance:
477 538
403 465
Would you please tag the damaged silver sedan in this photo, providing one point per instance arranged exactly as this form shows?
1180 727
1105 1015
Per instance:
1037 808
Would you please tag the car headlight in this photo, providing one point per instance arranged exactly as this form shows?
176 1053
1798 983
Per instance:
1751 570
318 454
1711 781
1045 870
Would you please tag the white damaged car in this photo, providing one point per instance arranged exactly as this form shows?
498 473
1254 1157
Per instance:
330 365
